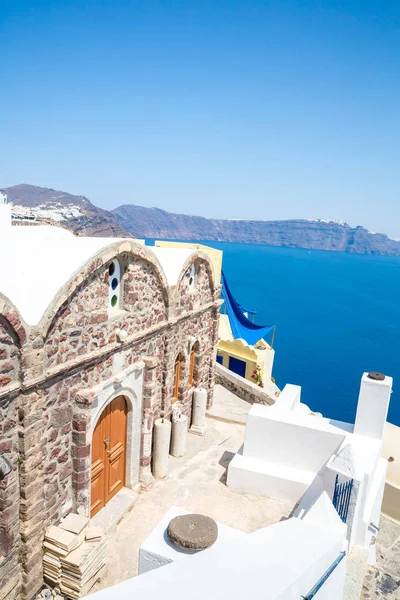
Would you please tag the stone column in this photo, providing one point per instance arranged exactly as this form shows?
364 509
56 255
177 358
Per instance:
149 403
162 439
179 435
81 451
167 376
199 411
213 358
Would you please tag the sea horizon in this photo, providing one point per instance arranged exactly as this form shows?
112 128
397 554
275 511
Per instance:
336 316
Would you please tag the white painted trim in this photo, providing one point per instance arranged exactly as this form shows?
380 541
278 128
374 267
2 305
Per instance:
113 310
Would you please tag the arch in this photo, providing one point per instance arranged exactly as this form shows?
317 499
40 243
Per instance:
133 430
12 336
11 315
108 452
95 264
202 258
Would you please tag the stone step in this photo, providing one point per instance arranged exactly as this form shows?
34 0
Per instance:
108 517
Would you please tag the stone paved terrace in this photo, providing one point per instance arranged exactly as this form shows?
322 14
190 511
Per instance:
195 482
383 580
228 407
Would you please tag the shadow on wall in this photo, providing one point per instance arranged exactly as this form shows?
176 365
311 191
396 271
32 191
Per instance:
224 462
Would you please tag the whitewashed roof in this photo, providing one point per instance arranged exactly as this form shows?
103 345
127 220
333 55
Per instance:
38 261
172 261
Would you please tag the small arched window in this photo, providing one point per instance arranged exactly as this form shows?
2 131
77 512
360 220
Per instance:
177 373
191 277
114 287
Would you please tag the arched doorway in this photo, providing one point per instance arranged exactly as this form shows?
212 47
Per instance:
108 454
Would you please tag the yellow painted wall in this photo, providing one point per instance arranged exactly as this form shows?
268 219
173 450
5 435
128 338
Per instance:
249 354
250 364
215 255
253 356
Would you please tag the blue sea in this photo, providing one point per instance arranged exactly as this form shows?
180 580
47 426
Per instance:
336 315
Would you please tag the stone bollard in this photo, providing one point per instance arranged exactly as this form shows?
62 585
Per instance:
162 438
199 411
179 435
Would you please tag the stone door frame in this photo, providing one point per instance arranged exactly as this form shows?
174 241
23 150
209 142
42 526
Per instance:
88 408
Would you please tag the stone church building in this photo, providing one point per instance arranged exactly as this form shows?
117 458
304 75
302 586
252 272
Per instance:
98 338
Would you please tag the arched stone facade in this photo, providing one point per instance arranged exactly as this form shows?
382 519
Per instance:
61 373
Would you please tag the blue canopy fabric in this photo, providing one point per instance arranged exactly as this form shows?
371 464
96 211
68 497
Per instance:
241 326
250 311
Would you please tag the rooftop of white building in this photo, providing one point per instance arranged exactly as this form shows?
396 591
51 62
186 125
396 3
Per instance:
38 260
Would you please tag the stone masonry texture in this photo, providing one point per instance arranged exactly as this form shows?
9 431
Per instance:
48 372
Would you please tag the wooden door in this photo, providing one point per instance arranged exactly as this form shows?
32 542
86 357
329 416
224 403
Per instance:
97 499
108 454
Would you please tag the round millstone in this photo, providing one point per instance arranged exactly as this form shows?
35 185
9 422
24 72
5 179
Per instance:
194 532
376 376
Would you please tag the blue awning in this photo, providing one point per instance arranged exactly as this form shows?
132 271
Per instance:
241 326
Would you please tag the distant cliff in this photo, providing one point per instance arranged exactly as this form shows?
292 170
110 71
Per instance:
295 233
76 213
82 217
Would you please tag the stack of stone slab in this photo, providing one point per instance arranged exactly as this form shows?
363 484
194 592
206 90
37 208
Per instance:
75 556
81 569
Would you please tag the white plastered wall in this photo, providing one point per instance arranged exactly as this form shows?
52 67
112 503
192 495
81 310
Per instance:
286 439
283 561
157 550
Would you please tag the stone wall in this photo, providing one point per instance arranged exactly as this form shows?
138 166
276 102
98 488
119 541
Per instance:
9 354
10 540
187 299
10 568
248 391
82 324
50 375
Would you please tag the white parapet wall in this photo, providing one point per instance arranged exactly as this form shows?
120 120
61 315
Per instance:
290 439
281 562
158 550
290 397
283 452
291 454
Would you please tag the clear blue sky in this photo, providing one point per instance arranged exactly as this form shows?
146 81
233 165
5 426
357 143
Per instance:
225 108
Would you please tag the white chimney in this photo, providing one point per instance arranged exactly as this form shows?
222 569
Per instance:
373 405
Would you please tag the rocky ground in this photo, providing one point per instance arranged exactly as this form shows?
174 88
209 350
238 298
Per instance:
48 594
383 580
